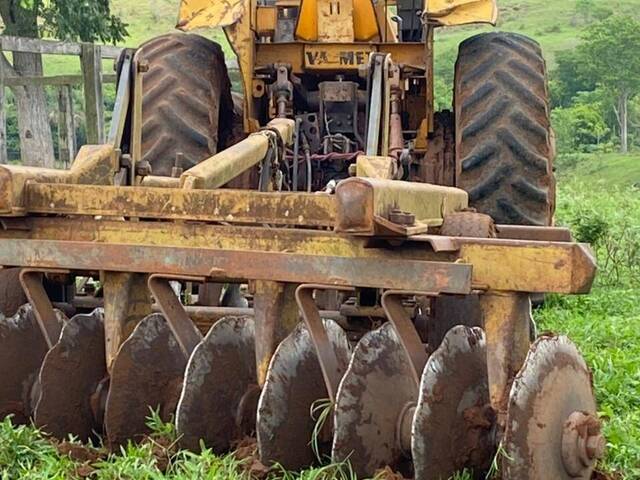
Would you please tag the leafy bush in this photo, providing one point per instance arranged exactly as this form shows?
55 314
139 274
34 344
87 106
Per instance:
609 219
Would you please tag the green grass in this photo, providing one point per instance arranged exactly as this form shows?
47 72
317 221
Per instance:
601 169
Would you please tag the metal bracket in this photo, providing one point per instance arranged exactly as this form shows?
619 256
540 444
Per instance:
326 356
406 331
31 281
185 331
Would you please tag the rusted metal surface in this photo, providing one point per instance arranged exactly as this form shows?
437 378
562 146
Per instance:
408 336
94 165
22 349
507 319
330 364
294 383
276 314
223 167
184 330
12 295
453 423
537 234
582 443
468 224
231 206
224 264
360 200
205 13
378 390
50 327
461 12
146 374
220 394
536 267
554 383
126 302
69 377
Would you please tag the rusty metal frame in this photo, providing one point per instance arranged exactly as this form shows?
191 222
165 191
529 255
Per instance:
331 372
297 256
185 331
31 281
406 331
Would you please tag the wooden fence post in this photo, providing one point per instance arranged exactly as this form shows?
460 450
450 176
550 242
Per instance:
66 126
94 106
3 114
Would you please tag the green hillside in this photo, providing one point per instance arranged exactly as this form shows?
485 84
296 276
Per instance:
555 24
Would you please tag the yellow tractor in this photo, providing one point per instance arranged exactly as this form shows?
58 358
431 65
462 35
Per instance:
325 241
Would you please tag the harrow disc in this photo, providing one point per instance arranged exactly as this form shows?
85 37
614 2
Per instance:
70 375
552 430
22 350
220 393
453 419
377 392
146 374
294 383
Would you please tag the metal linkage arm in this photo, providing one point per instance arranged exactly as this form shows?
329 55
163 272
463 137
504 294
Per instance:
331 370
185 331
48 321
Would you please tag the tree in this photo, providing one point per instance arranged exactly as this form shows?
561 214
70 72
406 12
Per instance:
579 128
85 20
610 57
569 79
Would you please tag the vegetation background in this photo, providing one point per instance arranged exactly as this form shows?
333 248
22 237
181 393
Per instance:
599 198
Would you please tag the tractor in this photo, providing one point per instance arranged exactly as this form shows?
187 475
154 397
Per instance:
321 262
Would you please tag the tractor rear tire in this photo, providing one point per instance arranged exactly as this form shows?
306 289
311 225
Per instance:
187 106
504 141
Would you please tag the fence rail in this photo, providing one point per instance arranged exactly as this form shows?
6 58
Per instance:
92 78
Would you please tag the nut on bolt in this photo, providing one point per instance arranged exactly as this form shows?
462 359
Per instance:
582 443
402 218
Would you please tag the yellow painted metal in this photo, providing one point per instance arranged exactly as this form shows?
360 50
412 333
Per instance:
365 22
126 302
503 265
506 320
94 165
461 12
307 28
223 167
221 205
375 167
276 314
530 264
337 21
361 201
266 19
341 57
210 13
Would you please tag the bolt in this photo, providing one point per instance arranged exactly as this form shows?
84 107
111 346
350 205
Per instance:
582 443
402 218
143 66
596 446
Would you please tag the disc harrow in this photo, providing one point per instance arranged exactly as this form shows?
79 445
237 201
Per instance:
310 386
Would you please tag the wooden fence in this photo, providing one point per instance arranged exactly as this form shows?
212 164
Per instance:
92 78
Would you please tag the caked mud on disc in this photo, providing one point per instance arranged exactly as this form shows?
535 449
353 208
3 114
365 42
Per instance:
146 374
553 384
220 391
377 390
294 383
69 376
22 350
453 420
